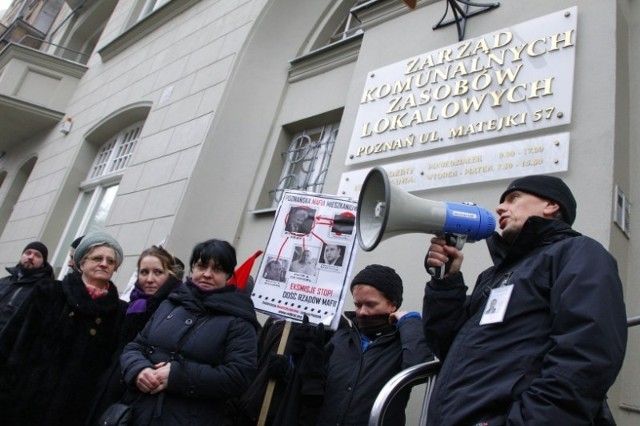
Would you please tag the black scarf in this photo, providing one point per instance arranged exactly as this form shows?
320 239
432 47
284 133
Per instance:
374 326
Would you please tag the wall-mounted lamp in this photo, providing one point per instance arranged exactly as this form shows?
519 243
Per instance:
66 125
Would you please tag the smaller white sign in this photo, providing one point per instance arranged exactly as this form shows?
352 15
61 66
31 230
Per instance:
541 155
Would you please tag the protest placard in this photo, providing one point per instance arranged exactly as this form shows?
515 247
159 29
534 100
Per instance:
308 259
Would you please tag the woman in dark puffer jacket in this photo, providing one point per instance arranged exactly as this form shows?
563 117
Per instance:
198 349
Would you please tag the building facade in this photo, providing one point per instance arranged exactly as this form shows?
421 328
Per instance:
173 121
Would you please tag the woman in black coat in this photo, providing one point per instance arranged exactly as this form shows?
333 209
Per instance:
54 348
159 274
198 349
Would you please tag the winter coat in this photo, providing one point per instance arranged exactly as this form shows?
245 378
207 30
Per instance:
245 410
559 347
53 350
16 287
210 340
355 377
289 404
111 388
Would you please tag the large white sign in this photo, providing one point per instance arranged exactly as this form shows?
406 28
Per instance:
515 80
308 260
541 155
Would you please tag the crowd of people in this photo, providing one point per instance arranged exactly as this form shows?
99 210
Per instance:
539 339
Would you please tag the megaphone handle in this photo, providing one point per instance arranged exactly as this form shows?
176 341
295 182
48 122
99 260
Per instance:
452 240
440 271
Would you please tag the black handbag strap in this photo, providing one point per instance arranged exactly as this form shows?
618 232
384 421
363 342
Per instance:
199 322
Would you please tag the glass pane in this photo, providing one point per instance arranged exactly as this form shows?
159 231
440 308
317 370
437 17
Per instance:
85 219
349 26
97 221
100 163
60 261
114 156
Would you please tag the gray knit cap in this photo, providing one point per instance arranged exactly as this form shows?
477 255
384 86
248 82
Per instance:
97 238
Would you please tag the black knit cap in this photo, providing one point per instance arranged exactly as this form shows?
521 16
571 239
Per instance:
37 245
383 278
549 188
75 243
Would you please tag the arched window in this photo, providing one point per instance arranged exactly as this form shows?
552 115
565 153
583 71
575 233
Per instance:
98 190
101 186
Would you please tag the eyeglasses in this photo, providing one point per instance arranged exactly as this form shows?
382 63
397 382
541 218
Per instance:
99 259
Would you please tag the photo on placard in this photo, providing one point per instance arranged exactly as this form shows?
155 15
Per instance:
275 269
332 254
304 260
299 220
343 224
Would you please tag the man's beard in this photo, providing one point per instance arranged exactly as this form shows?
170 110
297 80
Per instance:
28 265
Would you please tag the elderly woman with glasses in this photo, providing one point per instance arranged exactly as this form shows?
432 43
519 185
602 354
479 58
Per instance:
57 344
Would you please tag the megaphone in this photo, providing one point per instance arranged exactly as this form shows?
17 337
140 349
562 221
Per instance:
385 211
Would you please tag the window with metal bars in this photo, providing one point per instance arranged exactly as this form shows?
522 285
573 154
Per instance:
306 161
114 155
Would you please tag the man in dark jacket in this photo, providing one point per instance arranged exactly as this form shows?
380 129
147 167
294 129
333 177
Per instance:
550 346
381 341
32 269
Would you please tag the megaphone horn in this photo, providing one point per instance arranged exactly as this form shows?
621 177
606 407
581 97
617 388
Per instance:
385 210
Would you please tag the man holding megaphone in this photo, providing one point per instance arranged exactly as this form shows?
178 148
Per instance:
542 336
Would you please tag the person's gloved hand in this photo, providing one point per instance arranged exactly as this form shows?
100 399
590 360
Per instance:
301 335
311 368
278 366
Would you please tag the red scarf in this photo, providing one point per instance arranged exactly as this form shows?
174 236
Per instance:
96 292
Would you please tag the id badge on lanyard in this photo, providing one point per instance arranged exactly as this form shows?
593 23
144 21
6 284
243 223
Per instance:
497 303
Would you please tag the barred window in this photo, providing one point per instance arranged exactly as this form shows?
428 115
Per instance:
114 155
306 161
